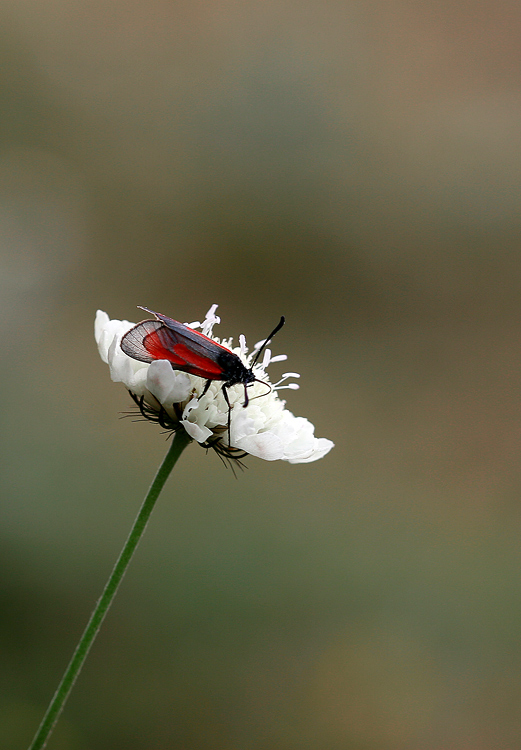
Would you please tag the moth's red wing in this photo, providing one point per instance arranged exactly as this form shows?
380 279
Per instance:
197 364
163 344
132 342
152 340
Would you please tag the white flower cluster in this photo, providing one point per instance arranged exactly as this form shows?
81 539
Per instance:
265 428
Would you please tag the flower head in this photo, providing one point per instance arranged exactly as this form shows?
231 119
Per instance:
179 400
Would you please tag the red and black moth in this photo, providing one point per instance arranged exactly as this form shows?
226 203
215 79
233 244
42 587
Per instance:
190 351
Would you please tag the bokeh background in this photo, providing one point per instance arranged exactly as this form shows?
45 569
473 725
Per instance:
355 166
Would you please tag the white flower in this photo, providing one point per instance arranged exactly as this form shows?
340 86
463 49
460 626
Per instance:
264 428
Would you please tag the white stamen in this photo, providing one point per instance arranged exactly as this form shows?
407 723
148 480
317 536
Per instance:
210 320
291 386
266 358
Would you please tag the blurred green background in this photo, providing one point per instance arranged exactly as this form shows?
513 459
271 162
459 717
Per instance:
355 166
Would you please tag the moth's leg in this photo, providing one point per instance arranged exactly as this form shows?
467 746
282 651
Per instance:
205 389
225 394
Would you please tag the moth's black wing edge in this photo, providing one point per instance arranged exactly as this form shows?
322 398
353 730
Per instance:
132 342
147 309
169 322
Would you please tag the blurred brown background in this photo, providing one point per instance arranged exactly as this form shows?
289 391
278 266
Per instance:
355 166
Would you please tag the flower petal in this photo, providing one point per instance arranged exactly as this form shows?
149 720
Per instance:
319 449
201 434
264 445
167 385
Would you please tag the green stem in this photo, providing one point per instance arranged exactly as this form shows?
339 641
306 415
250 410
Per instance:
179 443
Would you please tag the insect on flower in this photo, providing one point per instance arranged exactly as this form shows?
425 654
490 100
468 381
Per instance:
192 352
171 398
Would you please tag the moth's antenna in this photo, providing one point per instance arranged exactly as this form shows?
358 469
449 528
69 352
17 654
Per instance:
272 334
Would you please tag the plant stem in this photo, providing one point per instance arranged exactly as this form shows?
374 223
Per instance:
179 443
